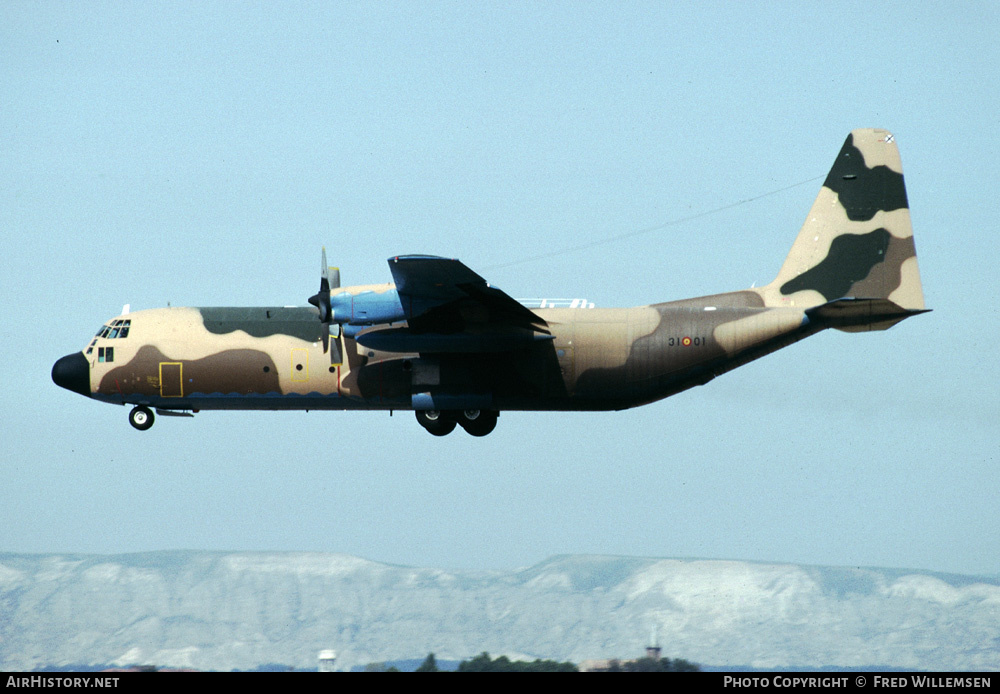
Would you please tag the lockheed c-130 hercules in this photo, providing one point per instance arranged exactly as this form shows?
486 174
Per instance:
444 343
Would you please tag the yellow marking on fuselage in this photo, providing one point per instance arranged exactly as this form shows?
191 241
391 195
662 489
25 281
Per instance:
300 365
180 379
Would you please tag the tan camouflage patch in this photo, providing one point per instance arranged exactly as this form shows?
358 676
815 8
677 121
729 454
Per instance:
737 335
878 148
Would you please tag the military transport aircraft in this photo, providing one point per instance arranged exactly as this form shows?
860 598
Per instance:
457 351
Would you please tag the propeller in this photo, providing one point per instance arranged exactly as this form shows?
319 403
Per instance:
329 278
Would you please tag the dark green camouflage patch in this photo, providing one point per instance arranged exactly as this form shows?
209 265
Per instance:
850 260
302 323
863 191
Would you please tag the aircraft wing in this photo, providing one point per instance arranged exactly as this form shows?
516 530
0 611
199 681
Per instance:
443 296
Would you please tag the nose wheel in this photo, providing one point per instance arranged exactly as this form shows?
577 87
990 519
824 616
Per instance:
141 417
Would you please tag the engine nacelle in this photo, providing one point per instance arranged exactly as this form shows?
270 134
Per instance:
366 307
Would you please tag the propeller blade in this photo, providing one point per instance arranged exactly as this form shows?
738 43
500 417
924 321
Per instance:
321 300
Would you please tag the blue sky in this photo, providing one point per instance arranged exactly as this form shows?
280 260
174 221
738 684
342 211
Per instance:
202 153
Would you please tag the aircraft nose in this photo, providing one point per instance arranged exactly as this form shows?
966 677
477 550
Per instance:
72 372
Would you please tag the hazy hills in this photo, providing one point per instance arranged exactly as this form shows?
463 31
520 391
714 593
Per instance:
222 610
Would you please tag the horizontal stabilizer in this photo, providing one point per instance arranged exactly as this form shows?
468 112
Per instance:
860 315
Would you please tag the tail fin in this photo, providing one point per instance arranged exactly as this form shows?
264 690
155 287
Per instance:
857 242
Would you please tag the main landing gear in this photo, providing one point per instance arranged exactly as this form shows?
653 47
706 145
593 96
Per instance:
442 423
141 417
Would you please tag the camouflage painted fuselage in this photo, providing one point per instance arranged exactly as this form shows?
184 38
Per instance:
272 358
852 267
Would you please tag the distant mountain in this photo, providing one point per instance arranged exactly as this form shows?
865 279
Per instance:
226 610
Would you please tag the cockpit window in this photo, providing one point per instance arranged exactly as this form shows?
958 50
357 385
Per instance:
105 354
118 328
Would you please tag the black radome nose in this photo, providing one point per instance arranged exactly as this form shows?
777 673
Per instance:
72 372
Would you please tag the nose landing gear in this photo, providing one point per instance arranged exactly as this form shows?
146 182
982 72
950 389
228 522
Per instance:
141 417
